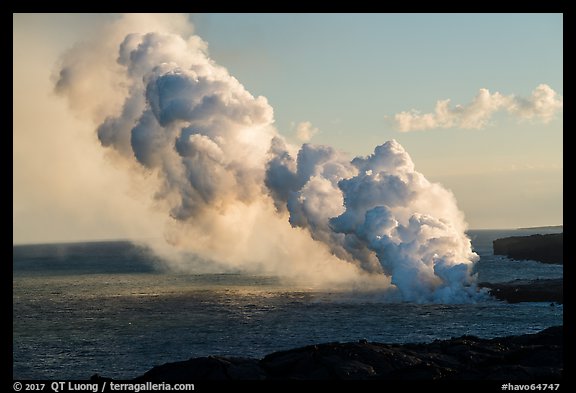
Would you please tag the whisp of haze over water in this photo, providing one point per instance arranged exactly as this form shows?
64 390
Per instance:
236 193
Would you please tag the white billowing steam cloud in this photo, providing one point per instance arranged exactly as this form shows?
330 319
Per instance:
305 131
380 213
236 193
543 104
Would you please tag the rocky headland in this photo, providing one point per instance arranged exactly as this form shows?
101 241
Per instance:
550 290
543 248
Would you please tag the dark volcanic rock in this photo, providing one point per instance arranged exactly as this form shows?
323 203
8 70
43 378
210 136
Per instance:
543 248
531 356
206 368
527 290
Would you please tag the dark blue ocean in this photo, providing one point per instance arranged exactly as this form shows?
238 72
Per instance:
109 308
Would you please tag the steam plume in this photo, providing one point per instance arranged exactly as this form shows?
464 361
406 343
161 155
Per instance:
236 193
305 131
380 213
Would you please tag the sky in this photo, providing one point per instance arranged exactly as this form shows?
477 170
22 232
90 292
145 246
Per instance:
344 80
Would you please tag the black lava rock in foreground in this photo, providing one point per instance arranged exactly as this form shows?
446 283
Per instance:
542 248
526 357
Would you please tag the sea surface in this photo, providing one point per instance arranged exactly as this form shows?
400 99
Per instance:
107 308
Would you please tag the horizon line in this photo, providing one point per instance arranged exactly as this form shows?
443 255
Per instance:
144 239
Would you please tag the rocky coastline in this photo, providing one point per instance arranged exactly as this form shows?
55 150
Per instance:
536 356
550 290
542 248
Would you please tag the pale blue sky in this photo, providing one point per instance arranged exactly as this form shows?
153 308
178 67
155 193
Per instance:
345 73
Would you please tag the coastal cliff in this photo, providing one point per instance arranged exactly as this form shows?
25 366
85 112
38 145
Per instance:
551 290
543 248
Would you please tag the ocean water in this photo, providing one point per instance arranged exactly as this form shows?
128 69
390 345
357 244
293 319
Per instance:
106 308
